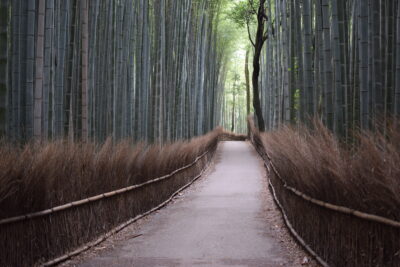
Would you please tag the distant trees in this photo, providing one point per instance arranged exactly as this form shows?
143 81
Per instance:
235 103
333 59
244 14
148 69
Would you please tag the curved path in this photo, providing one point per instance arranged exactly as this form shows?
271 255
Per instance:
221 221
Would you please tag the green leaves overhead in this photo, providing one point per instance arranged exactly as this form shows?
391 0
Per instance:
244 12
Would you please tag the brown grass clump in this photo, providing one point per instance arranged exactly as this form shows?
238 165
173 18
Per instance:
364 177
230 136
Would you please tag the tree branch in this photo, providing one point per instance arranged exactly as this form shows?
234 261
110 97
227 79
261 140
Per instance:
251 2
265 37
262 11
248 31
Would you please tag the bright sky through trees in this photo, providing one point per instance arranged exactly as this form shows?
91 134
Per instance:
235 88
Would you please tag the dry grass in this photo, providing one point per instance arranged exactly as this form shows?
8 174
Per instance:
230 136
37 177
365 177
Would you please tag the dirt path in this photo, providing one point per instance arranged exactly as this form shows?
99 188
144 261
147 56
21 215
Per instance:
225 219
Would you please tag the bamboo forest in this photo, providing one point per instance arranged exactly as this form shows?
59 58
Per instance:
211 132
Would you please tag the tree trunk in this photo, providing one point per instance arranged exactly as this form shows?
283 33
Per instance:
4 12
30 63
38 104
259 41
397 86
338 74
85 57
327 85
247 76
364 94
308 92
286 62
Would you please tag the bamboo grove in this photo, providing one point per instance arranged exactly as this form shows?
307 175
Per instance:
338 60
89 69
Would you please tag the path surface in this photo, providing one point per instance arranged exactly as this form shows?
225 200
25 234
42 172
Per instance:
221 221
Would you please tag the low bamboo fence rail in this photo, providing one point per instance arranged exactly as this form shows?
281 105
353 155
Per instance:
47 237
334 235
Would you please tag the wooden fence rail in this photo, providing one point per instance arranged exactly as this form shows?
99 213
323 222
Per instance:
120 227
95 198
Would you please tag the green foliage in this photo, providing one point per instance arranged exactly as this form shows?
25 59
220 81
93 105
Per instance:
244 12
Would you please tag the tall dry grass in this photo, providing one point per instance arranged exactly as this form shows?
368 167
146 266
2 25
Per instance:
39 176
365 176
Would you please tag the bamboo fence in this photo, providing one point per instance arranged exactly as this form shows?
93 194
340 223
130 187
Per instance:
38 237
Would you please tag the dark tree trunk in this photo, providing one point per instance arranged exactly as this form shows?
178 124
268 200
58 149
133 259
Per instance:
260 39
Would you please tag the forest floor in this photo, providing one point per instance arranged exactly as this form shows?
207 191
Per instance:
227 218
